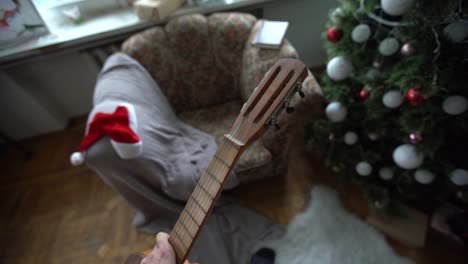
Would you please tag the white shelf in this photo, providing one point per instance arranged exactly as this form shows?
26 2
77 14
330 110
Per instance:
102 25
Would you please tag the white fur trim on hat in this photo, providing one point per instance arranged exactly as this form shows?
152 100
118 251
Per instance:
126 150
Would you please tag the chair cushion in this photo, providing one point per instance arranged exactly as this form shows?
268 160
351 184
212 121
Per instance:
217 121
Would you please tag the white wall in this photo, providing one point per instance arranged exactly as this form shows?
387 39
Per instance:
40 96
23 116
307 21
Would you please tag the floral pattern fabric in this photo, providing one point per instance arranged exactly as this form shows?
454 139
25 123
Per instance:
195 59
217 121
206 66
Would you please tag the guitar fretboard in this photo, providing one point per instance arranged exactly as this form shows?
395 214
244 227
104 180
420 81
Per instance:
203 197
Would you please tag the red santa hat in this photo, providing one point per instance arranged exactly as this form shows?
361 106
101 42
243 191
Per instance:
117 121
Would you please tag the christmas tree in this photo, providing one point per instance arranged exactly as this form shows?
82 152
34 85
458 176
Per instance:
396 85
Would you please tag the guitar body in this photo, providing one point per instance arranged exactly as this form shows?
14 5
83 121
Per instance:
261 110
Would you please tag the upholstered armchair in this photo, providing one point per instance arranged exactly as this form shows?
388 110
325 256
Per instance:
207 68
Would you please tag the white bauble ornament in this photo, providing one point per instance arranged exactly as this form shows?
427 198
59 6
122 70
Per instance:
406 157
361 33
350 138
339 68
459 177
363 168
336 112
336 15
372 74
455 105
424 176
456 32
392 99
386 173
389 46
396 7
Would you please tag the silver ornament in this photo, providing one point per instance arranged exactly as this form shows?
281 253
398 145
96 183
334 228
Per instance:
339 68
456 32
407 157
363 168
336 112
424 176
336 15
455 105
361 33
396 7
386 173
459 177
350 138
392 99
372 74
389 46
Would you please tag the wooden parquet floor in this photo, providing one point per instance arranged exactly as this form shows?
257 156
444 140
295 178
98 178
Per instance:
55 213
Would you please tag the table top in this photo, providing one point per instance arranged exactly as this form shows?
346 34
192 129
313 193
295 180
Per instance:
108 24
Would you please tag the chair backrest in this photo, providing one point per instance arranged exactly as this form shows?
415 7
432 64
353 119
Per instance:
196 60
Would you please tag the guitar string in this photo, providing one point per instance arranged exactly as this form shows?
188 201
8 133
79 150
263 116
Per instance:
215 168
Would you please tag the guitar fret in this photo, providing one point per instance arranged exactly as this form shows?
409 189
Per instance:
185 236
177 244
190 223
222 161
203 188
182 242
213 177
197 214
186 228
199 205
215 184
193 218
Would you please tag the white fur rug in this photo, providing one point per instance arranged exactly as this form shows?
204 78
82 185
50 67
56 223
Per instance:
325 233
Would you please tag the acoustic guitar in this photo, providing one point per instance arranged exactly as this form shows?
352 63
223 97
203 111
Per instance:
269 99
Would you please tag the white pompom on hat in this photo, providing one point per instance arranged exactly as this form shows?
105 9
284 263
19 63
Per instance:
116 120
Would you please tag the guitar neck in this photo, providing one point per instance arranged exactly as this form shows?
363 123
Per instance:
201 202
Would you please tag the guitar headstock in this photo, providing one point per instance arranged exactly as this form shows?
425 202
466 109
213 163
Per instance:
268 100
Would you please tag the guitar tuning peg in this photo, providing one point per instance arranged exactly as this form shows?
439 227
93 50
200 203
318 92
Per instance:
274 121
299 90
290 109
301 94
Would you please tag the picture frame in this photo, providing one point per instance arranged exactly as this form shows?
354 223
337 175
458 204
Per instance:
19 21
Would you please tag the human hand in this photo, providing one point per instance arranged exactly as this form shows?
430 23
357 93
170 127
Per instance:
162 252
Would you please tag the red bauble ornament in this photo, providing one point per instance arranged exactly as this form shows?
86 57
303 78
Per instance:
334 34
363 94
414 97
